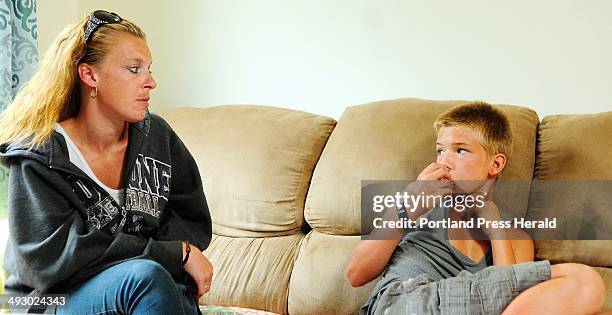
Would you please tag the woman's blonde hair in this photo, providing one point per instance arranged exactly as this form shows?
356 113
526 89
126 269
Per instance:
54 93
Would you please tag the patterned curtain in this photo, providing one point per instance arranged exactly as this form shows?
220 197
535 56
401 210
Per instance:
18 46
18 59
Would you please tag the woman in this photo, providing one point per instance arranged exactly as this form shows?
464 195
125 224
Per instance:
105 201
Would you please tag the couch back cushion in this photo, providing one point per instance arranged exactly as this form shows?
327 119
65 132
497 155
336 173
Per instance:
573 149
393 139
256 163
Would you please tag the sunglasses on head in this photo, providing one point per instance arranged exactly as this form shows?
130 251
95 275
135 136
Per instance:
100 17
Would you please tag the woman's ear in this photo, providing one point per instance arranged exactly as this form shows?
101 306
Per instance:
87 74
498 163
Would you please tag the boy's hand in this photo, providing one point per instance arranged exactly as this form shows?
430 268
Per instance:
435 171
434 180
490 212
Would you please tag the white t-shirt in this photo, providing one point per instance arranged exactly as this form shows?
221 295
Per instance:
76 158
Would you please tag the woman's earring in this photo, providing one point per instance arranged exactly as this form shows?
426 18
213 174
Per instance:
94 92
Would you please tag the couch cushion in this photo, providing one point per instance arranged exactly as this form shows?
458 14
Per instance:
393 140
606 275
256 163
575 148
592 252
318 282
252 272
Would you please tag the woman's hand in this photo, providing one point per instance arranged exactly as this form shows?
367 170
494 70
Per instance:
200 269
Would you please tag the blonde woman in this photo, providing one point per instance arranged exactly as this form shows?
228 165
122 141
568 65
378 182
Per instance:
105 201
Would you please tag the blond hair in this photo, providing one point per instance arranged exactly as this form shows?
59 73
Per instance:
489 124
53 93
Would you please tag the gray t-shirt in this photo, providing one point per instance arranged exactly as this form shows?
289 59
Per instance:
428 251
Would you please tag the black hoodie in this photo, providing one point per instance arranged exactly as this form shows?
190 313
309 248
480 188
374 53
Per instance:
64 228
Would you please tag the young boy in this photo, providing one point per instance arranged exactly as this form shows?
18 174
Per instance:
433 272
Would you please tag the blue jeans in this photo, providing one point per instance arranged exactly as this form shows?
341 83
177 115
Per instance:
139 286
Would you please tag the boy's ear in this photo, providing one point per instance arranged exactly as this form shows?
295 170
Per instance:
87 74
498 163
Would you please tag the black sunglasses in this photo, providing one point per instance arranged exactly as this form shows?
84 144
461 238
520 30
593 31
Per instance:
100 17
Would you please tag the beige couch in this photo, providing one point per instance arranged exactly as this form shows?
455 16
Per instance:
283 188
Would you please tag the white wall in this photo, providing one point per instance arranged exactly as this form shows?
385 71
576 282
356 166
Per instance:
52 17
321 56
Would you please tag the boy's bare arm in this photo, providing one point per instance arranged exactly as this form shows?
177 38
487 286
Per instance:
432 181
369 260
509 252
370 257
509 246
523 247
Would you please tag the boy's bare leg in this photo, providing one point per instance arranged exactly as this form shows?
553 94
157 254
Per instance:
572 289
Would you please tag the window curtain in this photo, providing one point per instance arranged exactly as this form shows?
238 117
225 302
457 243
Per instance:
18 46
18 60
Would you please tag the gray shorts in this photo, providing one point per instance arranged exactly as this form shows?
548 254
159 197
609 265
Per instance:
487 291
